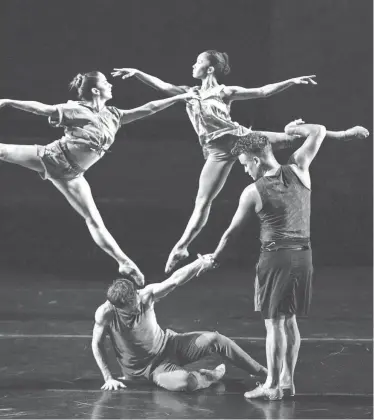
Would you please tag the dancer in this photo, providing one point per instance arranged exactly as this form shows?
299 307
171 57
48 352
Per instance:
217 133
90 127
280 197
144 350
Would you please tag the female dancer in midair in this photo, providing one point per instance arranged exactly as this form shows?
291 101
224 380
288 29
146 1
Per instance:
210 117
90 127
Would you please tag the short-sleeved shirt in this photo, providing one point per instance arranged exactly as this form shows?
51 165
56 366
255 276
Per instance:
88 133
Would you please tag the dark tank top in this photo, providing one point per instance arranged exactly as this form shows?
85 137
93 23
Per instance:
285 213
136 339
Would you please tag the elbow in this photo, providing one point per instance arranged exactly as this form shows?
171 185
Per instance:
318 130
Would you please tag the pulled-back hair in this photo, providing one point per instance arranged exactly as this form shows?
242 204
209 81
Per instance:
121 292
83 83
253 143
220 62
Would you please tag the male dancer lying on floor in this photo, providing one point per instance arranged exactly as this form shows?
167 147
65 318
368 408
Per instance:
144 350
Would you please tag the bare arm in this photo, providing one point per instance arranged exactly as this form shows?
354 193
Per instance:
102 319
235 93
249 200
155 82
305 154
150 108
157 291
30 106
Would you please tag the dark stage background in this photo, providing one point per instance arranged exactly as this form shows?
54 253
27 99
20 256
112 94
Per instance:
145 188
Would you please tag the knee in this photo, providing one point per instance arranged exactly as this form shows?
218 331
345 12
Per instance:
93 221
3 151
210 339
274 324
176 381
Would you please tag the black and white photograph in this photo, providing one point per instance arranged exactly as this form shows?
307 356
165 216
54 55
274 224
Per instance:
186 209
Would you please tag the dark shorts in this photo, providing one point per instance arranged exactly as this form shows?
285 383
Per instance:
180 350
283 284
56 164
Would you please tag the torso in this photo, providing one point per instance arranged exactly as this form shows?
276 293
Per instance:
284 204
210 116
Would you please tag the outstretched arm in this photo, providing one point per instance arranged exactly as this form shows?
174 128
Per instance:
157 291
102 320
155 82
150 108
30 106
235 93
249 200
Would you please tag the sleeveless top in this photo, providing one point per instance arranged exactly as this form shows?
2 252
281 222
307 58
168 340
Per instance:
285 212
88 133
211 118
136 339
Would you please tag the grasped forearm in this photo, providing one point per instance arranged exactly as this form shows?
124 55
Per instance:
100 356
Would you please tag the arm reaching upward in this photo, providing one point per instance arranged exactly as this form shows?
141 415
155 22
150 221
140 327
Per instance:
235 93
157 291
30 106
167 88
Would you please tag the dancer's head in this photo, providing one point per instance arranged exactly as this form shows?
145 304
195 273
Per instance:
91 85
255 153
122 294
211 62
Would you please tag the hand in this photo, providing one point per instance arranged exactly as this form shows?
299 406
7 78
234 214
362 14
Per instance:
207 263
113 385
124 73
292 123
304 80
3 102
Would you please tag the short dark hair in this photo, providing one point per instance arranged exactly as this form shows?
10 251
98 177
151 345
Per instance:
83 83
220 62
253 143
121 292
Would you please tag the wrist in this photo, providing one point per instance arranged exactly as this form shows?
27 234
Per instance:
108 377
213 261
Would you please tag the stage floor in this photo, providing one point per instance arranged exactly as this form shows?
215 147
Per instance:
48 370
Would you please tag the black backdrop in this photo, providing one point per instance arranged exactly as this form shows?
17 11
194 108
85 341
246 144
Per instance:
145 188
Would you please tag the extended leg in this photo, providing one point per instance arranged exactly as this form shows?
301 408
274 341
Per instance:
212 179
23 155
78 193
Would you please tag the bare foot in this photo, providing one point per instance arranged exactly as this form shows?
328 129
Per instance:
129 269
356 133
214 375
176 256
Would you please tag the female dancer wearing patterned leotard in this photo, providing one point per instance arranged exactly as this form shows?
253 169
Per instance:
90 127
217 133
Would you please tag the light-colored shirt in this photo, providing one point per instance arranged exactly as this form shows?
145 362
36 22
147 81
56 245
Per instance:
211 118
88 133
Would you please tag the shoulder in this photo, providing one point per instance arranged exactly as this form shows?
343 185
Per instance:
251 196
146 295
114 110
104 313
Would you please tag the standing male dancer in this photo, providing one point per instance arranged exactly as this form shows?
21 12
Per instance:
280 197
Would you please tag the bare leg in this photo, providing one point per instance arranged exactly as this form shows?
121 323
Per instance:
78 193
275 354
23 155
182 380
292 352
285 141
212 179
